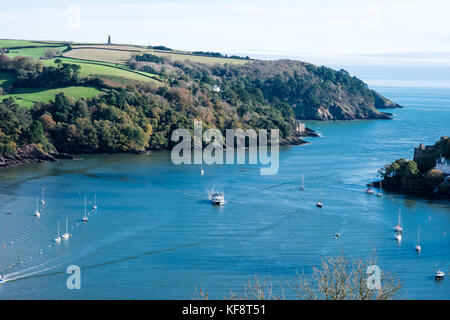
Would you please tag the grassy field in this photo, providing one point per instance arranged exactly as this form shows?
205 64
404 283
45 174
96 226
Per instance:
108 46
27 97
89 68
6 79
34 53
23 43
122 53
196 58
114 56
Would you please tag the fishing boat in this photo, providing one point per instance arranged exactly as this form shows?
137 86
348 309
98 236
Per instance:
42 196
37 213
418 248
302 187
398 228
217 198
66 235
58 238
85 218
439 275
320 204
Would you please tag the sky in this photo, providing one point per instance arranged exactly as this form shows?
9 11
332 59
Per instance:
356 29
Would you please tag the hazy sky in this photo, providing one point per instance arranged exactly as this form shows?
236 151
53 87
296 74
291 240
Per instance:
321 28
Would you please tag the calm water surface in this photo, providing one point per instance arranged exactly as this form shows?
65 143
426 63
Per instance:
155 235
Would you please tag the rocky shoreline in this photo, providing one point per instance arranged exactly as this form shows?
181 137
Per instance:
442 192
296 139
30 154
34 154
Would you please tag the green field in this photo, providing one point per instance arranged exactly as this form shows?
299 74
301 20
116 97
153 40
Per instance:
24 43
34 53
89 68
27 97
196 58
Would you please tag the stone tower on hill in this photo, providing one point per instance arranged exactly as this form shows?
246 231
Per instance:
109 39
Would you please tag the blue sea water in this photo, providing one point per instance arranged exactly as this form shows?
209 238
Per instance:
156 236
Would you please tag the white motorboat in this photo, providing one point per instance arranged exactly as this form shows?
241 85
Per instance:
439 275
217 198
398 236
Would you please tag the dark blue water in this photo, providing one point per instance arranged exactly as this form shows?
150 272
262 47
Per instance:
156 236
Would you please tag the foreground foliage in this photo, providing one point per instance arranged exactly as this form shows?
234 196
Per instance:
336 278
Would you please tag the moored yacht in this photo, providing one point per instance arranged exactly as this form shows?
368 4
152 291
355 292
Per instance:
398 228
94 207
37 213
66 235
85 218
379 194
418 248
58 238
218 198
42 198
319 204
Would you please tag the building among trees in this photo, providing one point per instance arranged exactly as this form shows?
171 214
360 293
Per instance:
443 164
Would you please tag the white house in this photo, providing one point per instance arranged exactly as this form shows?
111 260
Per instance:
443 165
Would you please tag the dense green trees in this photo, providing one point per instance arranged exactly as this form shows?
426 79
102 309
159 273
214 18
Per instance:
417 175
18 128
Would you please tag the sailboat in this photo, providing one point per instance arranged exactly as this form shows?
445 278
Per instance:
201 170
418 248
58 238
370 190
37 213
42 197
66 235
379 194
320 204
94 207
302 187
85 218
398 228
